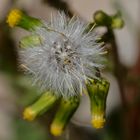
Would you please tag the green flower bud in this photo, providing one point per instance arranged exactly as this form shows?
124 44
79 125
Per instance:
30 41
113 21
64 114
43 104
117 22
102 18
18 18
98 91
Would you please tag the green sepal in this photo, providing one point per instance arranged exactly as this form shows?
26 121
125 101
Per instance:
43 104
98 91
64 113
29 23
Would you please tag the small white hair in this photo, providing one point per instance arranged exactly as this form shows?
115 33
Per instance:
66 57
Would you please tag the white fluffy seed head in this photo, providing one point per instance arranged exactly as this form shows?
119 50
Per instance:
65 59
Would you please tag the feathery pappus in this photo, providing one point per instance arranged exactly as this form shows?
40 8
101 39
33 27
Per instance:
66 57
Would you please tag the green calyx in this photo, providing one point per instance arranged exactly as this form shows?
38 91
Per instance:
29 23
98 91
65 111
43 104
17 17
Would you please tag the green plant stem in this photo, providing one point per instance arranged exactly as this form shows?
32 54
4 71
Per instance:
118 69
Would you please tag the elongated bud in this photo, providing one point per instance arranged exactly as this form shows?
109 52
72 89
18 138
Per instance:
64 114
30 41
43 104
98 91
18 18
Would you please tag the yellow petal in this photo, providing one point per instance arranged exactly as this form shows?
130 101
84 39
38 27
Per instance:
29 114
98 121
56 130
14 17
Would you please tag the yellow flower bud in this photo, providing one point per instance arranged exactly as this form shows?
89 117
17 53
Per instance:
98 91
14 17
98 121
44 103
56 130
29 114
63 115
18 18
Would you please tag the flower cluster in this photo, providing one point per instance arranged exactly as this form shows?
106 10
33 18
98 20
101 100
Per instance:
64 60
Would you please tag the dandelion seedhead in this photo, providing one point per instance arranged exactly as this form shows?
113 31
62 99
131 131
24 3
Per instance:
66 57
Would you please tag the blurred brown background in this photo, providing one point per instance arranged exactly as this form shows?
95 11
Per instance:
123 120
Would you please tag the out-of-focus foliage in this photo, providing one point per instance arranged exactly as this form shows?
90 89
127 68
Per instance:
32 131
